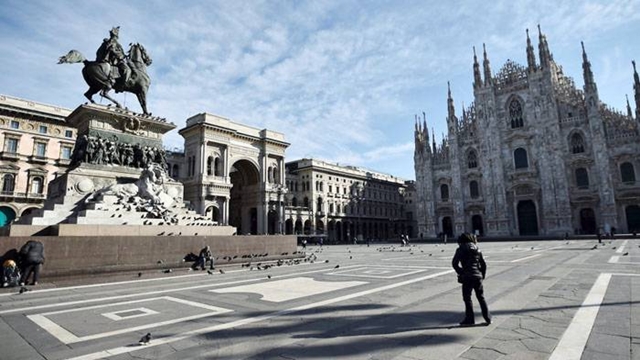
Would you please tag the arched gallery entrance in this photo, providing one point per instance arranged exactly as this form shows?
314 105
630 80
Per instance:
245 197
527 218
587 221
213 214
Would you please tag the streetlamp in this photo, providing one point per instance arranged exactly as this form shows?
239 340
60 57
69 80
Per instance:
280 190
357 197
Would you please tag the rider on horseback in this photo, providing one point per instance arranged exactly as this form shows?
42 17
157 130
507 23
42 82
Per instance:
112 52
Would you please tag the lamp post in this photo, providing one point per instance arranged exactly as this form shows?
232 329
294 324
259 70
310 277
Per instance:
280 190
357 197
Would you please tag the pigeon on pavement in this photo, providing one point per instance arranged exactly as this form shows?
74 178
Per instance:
145 339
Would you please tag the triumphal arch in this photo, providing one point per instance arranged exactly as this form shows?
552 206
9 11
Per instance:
234 173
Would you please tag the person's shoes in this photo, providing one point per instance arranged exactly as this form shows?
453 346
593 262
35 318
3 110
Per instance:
467 323
5 284
202 269
34 283
487 321
190 269
22 283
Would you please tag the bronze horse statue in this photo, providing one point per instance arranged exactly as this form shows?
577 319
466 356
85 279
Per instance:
102 76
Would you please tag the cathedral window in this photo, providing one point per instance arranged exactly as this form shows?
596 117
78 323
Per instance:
515 114
294 201
472 160
577 144
473 189
626 173
305 202
444 192
319 205
520 158
582 178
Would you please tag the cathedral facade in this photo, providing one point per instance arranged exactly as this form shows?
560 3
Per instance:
532 155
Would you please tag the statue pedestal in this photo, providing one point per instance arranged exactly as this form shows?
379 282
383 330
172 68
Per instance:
115 148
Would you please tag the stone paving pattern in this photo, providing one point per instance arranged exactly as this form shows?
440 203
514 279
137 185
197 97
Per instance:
404 304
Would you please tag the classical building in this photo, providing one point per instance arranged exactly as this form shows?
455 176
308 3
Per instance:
232 173
343 202
532 155
36 147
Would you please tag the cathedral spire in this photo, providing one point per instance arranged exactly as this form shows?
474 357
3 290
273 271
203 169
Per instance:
589 84
415 116
531 57
543 49
636 89
477 80
629 112
487 67
426 130
451 110
434 140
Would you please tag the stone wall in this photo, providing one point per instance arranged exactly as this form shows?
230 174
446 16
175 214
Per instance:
74 255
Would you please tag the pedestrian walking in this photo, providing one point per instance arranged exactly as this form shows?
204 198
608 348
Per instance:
471 269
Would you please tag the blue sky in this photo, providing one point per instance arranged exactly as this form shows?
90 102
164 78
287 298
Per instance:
341 79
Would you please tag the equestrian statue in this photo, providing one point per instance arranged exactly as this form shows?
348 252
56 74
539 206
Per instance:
114 70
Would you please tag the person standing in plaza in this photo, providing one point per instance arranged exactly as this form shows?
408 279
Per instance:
32 254
471 269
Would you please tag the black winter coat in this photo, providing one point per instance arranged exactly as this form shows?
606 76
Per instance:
470 257
32 252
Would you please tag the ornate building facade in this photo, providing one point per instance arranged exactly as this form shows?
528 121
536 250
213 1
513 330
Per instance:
36 147
232 173
344 202
532 155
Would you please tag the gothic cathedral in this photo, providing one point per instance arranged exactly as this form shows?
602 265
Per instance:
533 155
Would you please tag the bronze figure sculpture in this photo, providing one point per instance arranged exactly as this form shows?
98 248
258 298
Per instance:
114 70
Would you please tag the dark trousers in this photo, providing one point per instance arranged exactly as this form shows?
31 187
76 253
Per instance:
476 285
31 268
202 262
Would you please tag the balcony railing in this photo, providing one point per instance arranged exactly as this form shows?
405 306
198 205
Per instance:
10 155
24 195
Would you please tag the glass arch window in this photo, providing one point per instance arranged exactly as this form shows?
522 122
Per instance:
36 185
472 159
444 192
520 158
627 174
582 178
473 189
577 144
515 114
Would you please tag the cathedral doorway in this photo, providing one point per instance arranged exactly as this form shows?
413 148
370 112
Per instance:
587 221
476 224
244 199
633 218
527 218
447 226
338 231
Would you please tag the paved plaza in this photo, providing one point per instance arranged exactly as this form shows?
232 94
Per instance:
550 300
